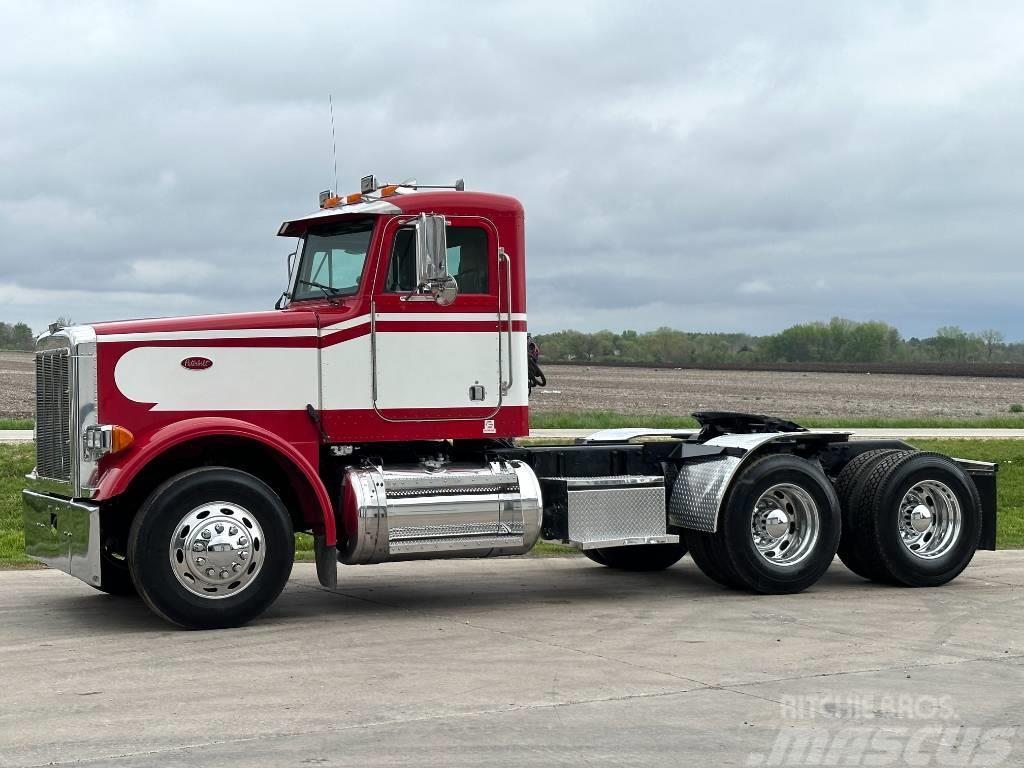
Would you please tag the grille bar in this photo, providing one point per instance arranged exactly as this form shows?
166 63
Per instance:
53 415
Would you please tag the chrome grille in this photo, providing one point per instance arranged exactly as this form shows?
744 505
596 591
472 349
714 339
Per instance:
53 415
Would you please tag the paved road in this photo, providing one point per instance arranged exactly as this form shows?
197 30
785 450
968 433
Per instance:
25 435
521 662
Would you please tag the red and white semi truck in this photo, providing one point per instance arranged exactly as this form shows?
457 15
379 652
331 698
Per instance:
378 407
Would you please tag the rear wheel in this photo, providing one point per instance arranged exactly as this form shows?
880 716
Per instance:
778 529
708 557
212 547
849 488
641 557
917 521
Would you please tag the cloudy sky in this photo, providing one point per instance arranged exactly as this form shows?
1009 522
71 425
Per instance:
706 166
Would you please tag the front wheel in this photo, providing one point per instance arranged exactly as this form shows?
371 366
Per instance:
210 548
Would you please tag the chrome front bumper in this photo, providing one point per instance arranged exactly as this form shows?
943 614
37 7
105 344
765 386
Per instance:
63 534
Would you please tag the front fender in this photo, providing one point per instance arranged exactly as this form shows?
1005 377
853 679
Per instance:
116 479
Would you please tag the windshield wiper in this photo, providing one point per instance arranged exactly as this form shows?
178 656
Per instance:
329 291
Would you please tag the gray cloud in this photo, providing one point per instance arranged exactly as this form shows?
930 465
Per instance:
714 166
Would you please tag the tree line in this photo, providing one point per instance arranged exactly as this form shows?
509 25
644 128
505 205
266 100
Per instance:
837 341
16 336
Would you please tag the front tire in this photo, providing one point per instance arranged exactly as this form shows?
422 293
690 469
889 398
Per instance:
211 547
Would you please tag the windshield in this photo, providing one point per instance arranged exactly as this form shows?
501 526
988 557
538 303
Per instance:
333 260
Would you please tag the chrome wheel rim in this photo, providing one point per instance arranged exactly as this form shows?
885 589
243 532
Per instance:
930 519
217 550
785 524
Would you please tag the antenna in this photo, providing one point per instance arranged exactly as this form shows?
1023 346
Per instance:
334 142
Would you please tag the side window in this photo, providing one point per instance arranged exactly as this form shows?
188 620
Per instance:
468 260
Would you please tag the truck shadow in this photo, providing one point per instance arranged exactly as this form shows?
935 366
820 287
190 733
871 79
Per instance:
584 588
581 589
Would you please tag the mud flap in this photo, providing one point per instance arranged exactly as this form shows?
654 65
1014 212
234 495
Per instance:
326 563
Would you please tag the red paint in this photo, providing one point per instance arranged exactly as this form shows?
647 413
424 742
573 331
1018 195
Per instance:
291 434
196 363
124 467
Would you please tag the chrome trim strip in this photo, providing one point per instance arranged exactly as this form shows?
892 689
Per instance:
668 538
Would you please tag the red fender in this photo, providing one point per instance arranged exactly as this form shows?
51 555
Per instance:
115 480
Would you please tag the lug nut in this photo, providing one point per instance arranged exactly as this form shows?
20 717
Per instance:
206 534
219 527
200 560
198 546
242 541
223 574
236 567
210 572
232 530
243 555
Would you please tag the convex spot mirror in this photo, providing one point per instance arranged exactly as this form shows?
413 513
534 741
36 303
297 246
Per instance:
432 260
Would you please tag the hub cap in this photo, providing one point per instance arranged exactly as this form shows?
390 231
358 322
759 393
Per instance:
217 550
930 519
784 524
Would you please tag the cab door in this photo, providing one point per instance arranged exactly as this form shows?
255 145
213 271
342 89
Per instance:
433 362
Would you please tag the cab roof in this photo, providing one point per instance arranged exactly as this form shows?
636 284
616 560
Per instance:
408 201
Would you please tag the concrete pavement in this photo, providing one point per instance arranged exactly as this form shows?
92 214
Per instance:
16 436
521 662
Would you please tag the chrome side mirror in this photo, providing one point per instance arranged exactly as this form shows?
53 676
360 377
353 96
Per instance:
432 260
445 290
431 251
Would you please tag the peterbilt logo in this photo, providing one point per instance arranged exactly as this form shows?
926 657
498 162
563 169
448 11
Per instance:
196 363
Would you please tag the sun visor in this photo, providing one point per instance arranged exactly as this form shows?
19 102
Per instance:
297 227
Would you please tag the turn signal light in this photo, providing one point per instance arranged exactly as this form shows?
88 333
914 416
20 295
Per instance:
120 439
388 190
100 440
355 197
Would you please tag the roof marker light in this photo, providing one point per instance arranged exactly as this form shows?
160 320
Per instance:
355 197
388 190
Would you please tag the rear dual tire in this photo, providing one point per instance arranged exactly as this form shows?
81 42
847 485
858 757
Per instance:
909 518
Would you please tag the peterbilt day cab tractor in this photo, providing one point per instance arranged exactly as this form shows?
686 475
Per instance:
378 407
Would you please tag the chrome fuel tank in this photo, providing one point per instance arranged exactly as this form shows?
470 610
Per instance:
410 512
